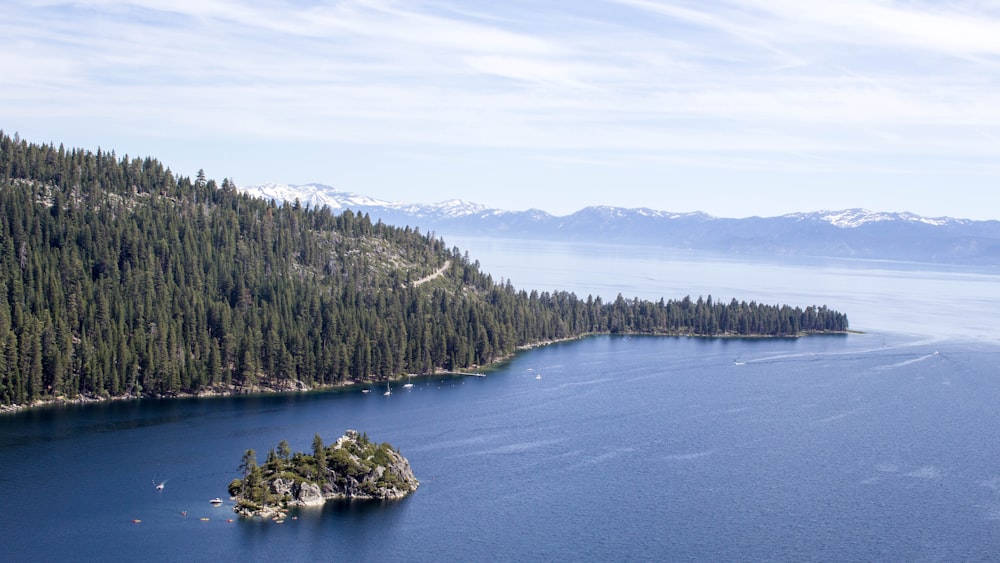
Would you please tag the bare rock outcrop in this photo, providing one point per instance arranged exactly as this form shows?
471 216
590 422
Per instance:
354 467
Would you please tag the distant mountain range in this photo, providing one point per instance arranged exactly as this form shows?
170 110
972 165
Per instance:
852 233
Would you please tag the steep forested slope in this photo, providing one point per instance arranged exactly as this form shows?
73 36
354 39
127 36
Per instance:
119 278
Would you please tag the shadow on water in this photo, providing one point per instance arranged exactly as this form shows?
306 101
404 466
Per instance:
354 509
66 422
316 529
59 422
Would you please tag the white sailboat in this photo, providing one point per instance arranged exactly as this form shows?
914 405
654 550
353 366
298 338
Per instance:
388 390
408 384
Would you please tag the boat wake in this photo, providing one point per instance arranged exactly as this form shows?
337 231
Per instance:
688 456
520 447
898 351
909 361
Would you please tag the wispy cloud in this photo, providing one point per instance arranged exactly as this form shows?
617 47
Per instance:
961 29
737 83
417 62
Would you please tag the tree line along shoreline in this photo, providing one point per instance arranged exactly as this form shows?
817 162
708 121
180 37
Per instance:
119 278
266 387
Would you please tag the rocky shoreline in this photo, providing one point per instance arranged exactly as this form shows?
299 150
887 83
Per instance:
294 386
352 468
297 386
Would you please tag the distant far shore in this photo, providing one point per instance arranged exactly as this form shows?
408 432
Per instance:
296 386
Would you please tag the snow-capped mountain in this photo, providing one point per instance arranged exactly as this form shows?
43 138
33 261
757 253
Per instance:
315 195
853 218
850 233
318 195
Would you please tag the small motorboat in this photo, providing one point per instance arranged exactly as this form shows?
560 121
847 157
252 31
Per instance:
216 501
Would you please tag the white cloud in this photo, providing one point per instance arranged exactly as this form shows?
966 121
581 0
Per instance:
929 27
748 84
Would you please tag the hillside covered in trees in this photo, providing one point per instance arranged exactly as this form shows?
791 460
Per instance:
120 278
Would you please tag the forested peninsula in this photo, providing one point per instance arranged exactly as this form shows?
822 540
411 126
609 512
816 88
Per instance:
119 278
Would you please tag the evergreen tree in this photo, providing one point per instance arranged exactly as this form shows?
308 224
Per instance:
119 278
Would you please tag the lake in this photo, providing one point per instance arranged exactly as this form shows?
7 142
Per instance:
920 299
868 446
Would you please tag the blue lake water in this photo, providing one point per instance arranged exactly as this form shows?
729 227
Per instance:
872 446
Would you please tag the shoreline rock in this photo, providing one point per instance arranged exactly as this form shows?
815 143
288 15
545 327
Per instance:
297 386
352 468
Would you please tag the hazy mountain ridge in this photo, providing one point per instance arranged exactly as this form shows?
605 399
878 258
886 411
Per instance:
848 233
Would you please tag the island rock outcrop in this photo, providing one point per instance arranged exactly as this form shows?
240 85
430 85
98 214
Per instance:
353 467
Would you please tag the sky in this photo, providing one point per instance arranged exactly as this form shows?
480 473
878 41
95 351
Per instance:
735 107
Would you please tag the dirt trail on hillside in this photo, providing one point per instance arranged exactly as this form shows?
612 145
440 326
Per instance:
440 272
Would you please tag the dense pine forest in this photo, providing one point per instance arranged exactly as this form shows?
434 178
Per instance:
119 278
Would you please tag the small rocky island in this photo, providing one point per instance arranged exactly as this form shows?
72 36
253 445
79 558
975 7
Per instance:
352 468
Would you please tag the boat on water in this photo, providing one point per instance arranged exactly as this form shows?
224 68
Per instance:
216 501
388 390
408 383
366 391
